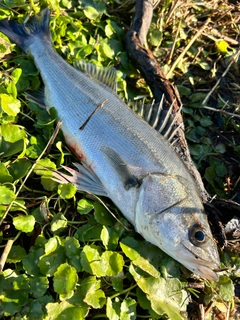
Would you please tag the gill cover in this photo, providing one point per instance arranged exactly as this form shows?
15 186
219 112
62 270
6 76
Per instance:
168 216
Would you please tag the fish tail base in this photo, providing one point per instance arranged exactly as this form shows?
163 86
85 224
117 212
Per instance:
23 34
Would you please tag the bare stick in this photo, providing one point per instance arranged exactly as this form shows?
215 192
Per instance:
94 111
5 253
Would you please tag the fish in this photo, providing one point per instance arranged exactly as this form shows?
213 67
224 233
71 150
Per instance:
120 155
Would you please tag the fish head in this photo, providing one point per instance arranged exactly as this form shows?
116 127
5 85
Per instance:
170 214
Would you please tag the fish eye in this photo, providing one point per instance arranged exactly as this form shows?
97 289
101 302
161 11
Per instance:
197 235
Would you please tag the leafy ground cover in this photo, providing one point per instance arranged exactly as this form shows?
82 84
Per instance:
69 257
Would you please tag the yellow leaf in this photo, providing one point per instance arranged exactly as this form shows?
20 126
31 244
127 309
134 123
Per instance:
222 46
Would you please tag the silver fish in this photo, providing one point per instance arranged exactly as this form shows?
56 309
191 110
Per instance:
122 156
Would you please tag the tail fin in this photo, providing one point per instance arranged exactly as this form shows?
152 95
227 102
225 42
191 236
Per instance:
23 34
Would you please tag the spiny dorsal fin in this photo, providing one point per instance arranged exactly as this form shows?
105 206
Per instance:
164 121
105 75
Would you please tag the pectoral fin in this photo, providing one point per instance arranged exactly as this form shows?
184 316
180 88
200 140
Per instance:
83 178
128 179
37 97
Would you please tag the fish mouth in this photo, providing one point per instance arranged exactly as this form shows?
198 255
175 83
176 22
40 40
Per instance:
204 268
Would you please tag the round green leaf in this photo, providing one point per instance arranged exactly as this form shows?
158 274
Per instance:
20 168
84 206
24 223
39 286
5 176
128 309
42 167
16 254
96 299
113 261
67 191
102 216
66 310
91 13
6 195
12 132
9 104
58 223
91 261
65 279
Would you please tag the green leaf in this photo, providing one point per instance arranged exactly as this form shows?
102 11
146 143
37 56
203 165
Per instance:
145 303
166 295
226 288
206 121
30 262
220 147
65 280
130 247
20 168
84 206
6 195
102 216
155 37
58 223
9 104
88 231
44 167
16 74
5 176
91 261
48 184
95 299
109 237
71 246
72 252
38 286
14 290
66 310
67 191
24 223
91 13
117 284
35 310
113 263
113 309
90 292
107 50
12 132
16 254
140 258
53 257
128 309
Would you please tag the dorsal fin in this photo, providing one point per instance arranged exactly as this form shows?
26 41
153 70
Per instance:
105 75
162 120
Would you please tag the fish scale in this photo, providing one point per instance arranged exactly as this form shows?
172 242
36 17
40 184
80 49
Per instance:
122 156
